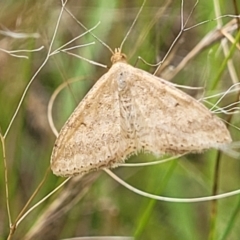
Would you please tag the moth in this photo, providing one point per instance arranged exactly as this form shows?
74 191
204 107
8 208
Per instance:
128 111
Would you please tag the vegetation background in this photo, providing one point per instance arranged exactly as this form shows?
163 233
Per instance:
96 205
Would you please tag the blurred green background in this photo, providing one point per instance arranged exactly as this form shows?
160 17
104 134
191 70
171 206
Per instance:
96 205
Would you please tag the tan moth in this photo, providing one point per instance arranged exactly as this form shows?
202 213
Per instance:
127 111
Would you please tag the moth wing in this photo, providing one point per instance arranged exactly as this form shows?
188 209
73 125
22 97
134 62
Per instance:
91 138
168 120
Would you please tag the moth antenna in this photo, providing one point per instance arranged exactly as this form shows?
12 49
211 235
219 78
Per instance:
130 29
93 35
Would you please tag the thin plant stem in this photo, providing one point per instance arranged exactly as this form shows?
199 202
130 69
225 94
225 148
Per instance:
36 73
43 199
13 227
225 61
213 218
6 180
170 199
147 213
15 224
32 196
231 221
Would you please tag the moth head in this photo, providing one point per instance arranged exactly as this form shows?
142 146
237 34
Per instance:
118 56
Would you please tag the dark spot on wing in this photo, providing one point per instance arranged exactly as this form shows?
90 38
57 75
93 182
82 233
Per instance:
177 104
